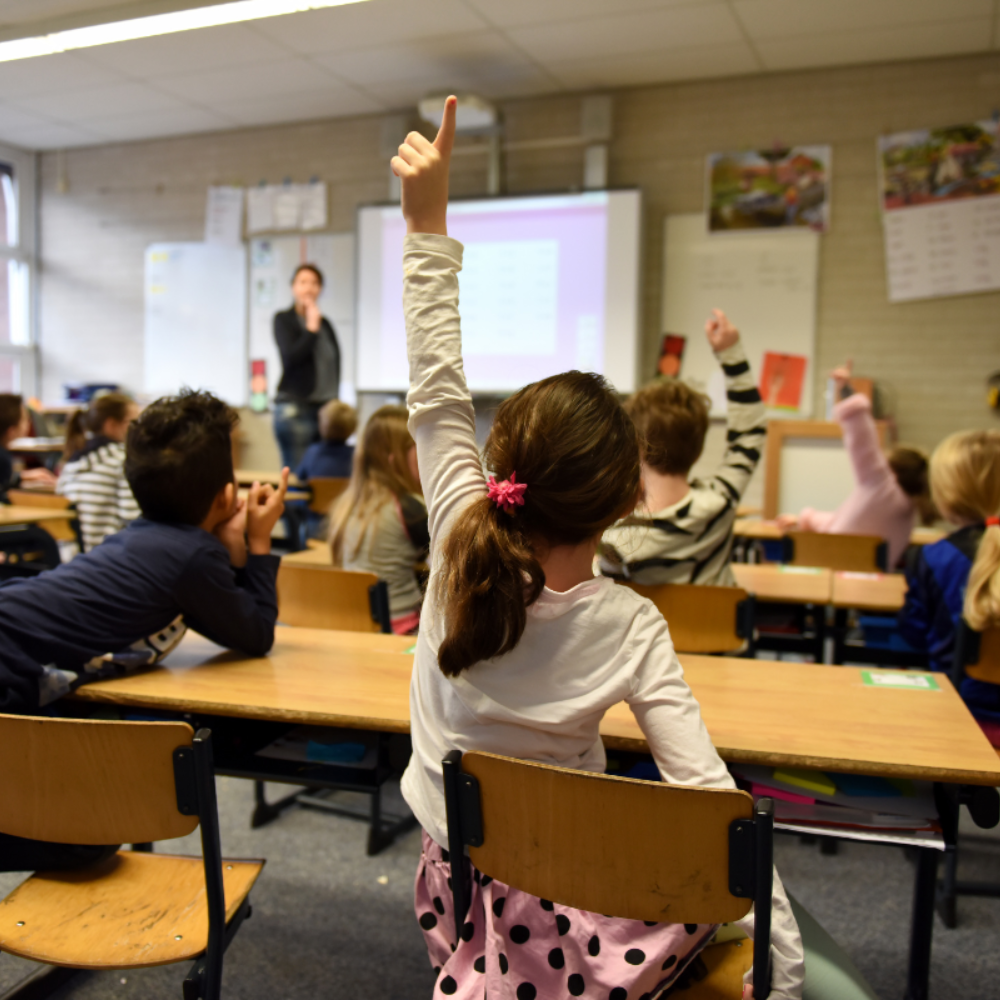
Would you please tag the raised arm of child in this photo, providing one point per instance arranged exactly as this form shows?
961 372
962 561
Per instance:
746 417
442 420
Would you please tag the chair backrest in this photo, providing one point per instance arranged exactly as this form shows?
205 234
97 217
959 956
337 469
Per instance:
847 553
977 654
325 597
85 782
324 491
26 550
61 531
702 619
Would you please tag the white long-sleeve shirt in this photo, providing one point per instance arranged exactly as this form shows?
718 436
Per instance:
582 651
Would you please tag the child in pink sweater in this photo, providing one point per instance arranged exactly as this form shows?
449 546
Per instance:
888 489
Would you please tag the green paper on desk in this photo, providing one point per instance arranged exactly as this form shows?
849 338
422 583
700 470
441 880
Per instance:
900 679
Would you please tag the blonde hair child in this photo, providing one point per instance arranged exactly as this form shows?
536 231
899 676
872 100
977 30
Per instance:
959 575
379 524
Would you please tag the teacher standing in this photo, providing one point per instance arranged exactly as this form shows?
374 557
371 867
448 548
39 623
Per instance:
310 358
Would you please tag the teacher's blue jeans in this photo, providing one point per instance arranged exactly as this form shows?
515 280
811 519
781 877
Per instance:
296 426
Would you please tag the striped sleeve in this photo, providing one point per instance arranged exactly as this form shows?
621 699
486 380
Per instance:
746 425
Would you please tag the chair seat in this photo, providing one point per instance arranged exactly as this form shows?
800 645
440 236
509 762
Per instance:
130 911
726 963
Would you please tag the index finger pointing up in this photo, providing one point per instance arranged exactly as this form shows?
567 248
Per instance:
446 133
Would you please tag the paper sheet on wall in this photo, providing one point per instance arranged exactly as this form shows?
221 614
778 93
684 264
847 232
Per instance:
224 216
312 205
260 209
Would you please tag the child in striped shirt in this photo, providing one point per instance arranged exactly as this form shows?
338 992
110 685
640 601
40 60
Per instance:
683 530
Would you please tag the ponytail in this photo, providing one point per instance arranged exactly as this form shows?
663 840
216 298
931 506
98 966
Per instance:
570 443
491 576
76 435
982 594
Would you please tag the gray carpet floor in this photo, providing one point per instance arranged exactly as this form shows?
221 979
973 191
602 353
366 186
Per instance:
330 922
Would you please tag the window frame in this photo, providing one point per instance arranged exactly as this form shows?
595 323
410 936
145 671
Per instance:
25 251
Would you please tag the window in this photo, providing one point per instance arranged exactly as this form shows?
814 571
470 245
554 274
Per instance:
18 363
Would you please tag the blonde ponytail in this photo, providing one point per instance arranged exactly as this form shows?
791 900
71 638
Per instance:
982 595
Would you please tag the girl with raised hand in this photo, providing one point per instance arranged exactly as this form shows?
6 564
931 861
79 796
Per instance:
521 649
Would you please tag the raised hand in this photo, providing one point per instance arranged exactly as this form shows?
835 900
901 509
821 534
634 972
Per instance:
720 332
232 534
423 166
265 505
841 376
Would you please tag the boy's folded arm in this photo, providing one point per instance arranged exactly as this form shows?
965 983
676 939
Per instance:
442 420
746 424
234 608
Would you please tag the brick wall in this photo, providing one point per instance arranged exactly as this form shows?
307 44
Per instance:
931 357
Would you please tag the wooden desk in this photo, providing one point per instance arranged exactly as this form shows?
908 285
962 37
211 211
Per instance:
791 584
756 711
247 477
753 527
39 445
16 514
869 591
317 554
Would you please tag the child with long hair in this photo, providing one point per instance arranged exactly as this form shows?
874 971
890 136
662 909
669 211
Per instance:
961 573
521 649
890 489
379 524
94 474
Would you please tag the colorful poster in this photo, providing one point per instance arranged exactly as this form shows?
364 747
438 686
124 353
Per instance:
782 380
781 188
940 195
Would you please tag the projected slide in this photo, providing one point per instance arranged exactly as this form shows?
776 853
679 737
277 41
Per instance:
548 284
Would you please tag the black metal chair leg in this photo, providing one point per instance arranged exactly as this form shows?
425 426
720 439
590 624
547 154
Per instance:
922 926
265 812
946 898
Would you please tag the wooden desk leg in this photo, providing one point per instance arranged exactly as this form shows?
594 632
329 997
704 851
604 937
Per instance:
922 926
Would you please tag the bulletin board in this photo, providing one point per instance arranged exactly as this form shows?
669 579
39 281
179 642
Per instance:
273 260
766 283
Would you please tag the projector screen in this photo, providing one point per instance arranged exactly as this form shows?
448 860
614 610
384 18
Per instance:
549 283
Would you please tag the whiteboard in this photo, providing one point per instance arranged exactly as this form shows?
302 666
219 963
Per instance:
196 320
764 282
272 261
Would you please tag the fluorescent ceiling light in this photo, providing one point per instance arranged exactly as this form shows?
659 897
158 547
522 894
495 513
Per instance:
157 24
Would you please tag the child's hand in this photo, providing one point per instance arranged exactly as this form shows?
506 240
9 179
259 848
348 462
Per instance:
720 332
313 317
38 476
265 505
423 166
747 992
232 534
842 376
787 521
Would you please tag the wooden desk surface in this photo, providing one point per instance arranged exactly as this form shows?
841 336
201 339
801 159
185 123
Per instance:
754 527
795 584
757 711
16 514
247 477
869 591
315 555
38 444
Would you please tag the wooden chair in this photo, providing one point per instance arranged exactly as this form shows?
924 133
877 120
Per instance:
26 550
61 531
324 491
88 782
325 597
703 619
977 655
694 855
847 553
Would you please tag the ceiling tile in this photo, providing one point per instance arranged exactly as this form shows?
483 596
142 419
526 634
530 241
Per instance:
408 93
237 83
11 117
180 121
704 62
910 42
517 13
377 22
597 37
51 136
793 18
460 57
337 101
16 12
58 74
185 52
94 102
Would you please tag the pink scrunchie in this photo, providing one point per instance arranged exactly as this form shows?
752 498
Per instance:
507 493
